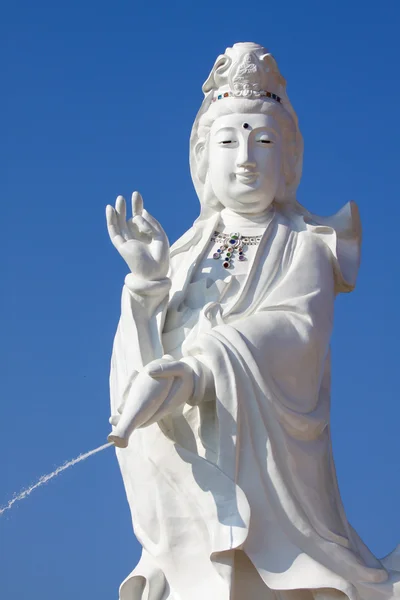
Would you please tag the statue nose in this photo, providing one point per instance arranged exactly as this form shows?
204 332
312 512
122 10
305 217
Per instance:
244 159
246 164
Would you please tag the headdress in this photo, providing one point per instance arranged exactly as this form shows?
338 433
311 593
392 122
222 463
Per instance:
245 71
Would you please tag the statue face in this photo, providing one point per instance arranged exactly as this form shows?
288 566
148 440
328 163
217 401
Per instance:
244 161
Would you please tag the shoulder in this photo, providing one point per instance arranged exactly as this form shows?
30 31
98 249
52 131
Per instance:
338 237
303 249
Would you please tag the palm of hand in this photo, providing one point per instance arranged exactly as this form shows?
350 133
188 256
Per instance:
141 241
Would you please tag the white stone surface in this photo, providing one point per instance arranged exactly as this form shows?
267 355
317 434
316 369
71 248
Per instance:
220 378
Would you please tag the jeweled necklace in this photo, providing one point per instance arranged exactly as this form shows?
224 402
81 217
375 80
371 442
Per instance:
232 246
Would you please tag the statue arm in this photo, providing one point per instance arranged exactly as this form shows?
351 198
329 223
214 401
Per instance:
138 338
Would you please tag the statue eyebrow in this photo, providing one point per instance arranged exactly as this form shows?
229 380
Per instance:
255 130
225 128
267 130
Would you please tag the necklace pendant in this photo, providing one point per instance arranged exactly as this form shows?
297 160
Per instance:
235 239
232 247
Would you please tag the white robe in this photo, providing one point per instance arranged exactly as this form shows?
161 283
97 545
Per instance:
252 467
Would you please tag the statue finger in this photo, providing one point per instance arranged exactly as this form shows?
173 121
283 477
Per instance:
152 221
120 209
137 204
113 227
153 365
142 225
167 369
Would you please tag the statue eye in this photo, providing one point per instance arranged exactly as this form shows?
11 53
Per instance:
265 141
226 142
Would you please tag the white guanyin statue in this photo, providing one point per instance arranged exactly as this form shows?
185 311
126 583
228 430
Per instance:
220 376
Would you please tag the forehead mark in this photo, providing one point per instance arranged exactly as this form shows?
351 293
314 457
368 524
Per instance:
254 121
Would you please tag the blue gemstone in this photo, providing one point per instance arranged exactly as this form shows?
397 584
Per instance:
219 97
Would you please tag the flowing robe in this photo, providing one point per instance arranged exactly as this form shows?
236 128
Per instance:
250 468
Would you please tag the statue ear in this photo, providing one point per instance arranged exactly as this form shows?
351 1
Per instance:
289 165
286 175
209 198
201 160
281 191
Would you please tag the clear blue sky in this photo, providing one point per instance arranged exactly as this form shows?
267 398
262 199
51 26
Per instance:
97 100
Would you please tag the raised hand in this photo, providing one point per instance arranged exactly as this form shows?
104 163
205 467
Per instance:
141 241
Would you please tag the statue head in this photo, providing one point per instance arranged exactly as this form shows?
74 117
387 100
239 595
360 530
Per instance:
246 148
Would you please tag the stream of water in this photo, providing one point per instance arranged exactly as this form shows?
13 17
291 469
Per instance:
45 478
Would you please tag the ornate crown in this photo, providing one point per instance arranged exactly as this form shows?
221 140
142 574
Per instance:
248 71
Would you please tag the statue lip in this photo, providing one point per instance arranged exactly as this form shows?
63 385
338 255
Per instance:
246 176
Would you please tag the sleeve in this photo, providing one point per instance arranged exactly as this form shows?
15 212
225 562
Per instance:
342 235
138 337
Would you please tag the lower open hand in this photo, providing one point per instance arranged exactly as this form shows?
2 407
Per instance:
180 375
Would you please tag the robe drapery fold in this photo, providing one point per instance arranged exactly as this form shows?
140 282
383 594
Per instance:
252 468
